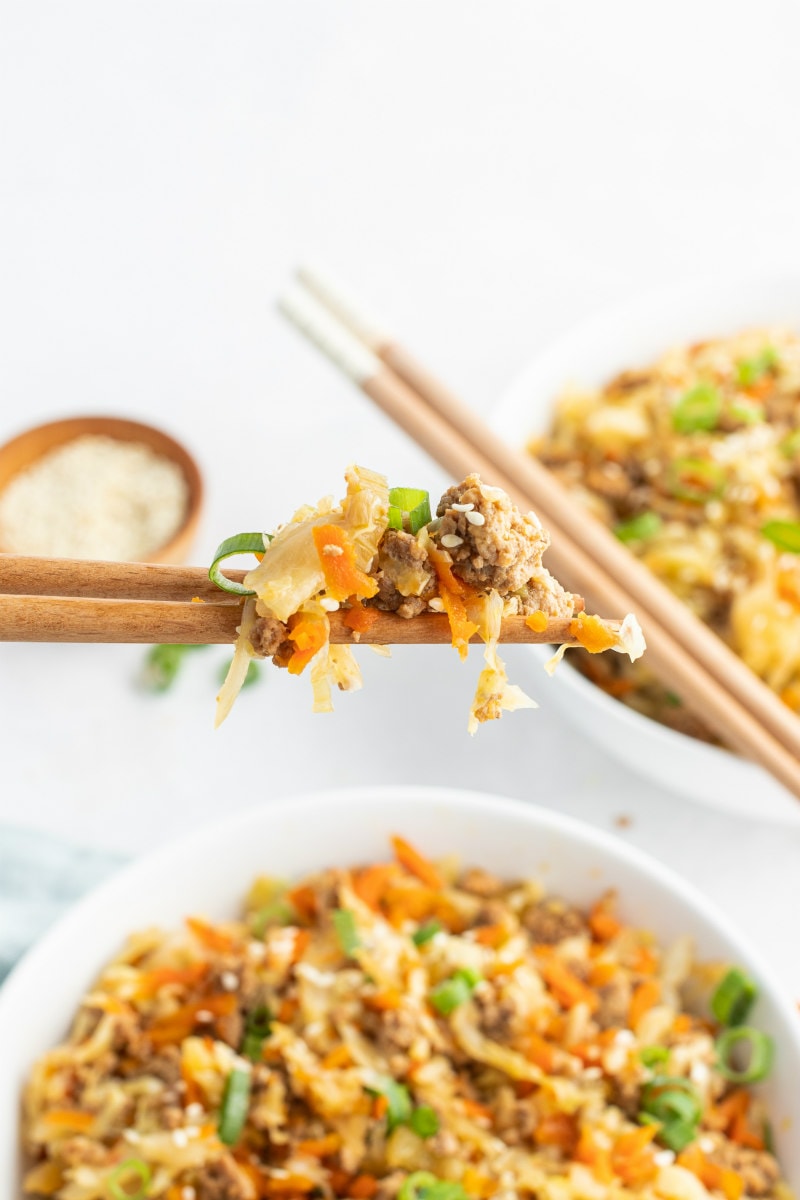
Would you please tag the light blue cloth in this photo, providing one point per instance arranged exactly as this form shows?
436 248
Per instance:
40 876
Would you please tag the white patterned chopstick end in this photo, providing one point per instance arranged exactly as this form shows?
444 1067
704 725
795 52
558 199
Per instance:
328 334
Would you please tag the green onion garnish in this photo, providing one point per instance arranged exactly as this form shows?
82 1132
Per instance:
426 932
643 526
699 408
257 1029
751 370
783 534
424 1121
163 663
734 997
235 1106
761 1051
345 925
652 1056
695 479
240 543
673 1103
133 1170
411 502
422 1185
749 414
790 446
277 912
456 990
398 1100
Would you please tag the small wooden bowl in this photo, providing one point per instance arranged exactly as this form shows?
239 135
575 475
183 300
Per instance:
28 447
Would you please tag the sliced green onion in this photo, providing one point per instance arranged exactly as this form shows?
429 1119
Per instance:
240 543
163 663
235 1106
761 1051
257 1029
749 414
790 446
277 912
426 932
735 996
768 1137
398 1099
672 1103
783 534
652 1056
133 1170
643 526
422 1185
673 700
424 1121
345 925
751 370
456 990
697 409
411 502
695 479
253 673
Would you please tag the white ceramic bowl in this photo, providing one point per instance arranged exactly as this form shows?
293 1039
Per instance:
209 871
629 336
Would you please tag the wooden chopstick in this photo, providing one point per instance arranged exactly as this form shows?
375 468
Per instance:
76 600
711 680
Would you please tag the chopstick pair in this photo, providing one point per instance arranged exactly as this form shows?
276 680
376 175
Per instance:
683 652
74 600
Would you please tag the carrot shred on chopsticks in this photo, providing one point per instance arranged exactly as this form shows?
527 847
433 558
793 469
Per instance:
416 863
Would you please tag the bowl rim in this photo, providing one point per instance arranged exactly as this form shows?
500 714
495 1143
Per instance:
613 853
124 429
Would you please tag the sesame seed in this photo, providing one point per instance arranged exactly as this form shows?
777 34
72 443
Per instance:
194 1111
436 605
329 604
533 517
180 1138
463 507
203 1016
229 981
706 1144
476 518
332 551
451 540
664 1158
132 1136
188 1193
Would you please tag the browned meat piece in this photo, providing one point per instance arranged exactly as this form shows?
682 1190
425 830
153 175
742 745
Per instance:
83 1152
626 1094
627 381
615 1002
492 544
757 1168
552 920
165 1066
498 1016
221 1181
403 573
514 1120
479 883
267 636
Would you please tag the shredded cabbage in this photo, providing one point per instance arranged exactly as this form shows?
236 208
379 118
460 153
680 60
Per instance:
240 662
494 694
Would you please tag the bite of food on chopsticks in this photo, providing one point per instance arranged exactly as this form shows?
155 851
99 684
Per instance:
477 562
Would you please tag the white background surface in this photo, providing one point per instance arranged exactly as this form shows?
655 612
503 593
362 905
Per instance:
486 174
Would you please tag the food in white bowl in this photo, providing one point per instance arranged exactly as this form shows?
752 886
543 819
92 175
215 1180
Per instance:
674 419
505 1034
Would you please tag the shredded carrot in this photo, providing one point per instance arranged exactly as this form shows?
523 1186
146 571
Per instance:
321 1147
476 1110
180 1024
73 1120
537 621
288 1009
309 634
491 935
370 883
565 985
150 982
598 1157
732 1115
712 1176
632 1157
363 1187
383 1001
339 1181
452 593
645 997
301 939
592 633
602 973
210 936
644 961
557 1129
478 1185
290 1185
416 863
337 556
359 618
683 1023
44 1179
304 901
380 1107
602 922
339 1057
540 1052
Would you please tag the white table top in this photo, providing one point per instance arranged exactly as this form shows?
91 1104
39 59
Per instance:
487 174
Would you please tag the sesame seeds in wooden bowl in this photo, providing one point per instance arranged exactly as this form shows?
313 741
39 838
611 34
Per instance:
98 487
